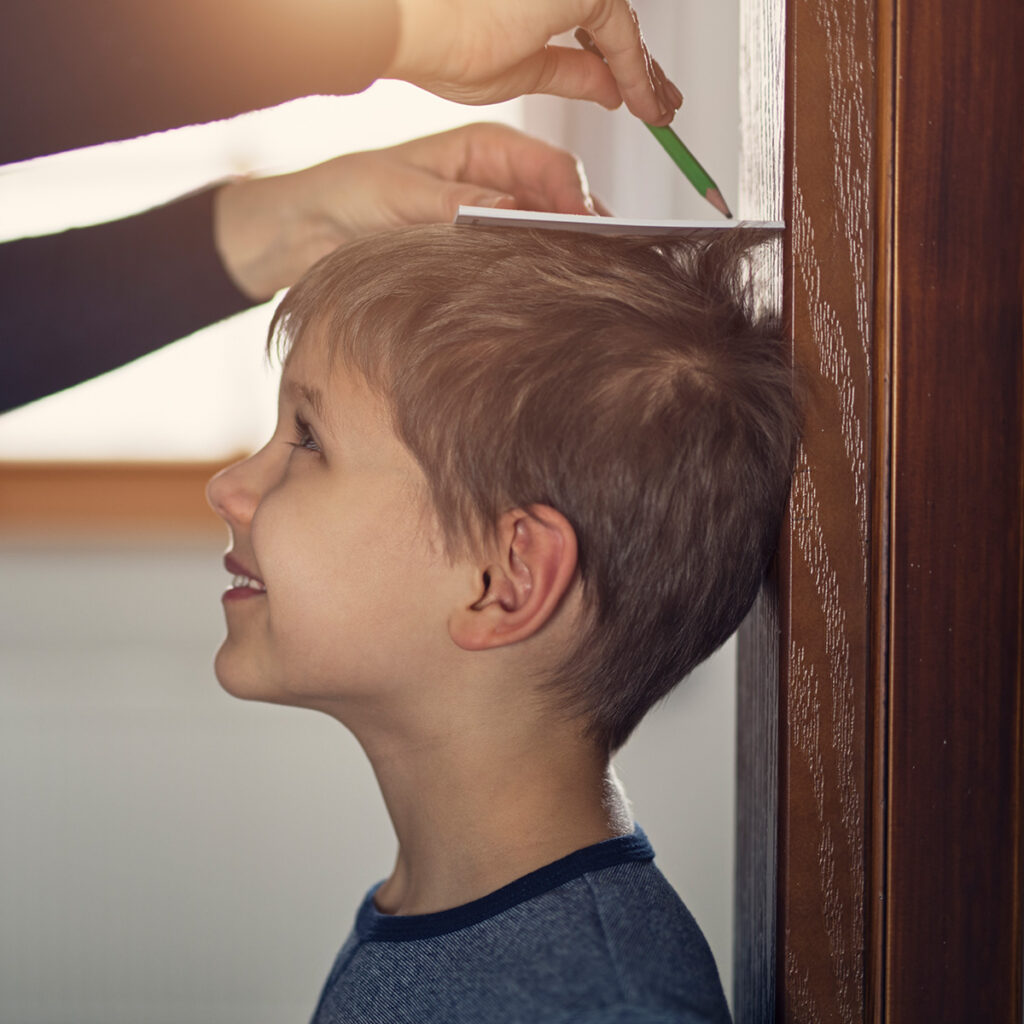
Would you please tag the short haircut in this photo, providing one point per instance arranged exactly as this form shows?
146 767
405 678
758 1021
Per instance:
626 382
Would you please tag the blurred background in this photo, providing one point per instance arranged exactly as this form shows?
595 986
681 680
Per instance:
167 853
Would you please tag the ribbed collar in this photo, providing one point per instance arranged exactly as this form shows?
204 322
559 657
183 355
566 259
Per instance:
373 926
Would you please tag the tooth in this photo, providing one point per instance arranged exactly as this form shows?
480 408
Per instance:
248 582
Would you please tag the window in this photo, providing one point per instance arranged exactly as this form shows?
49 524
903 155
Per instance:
136 413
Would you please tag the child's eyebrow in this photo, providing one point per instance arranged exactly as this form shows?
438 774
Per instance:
313 395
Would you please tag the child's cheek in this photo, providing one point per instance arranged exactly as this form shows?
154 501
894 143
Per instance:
293 552
284 551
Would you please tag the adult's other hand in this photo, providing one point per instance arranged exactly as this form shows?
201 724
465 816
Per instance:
269 231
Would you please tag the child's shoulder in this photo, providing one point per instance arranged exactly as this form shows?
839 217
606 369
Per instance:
652 959
598 932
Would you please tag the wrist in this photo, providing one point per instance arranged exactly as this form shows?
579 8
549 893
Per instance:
266 235
411 38
235 240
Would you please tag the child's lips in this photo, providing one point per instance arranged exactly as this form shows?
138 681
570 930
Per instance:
244 582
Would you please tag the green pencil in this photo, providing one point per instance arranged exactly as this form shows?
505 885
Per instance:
673 145
690 166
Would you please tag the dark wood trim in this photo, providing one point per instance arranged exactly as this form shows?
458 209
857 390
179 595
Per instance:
826 793
879 596
106 497
952 893
899 616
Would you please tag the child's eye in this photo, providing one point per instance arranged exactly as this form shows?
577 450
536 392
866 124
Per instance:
304 436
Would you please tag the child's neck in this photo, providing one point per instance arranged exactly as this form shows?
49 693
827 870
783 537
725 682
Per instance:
474 815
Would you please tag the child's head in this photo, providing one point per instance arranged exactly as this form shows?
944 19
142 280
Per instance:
623 382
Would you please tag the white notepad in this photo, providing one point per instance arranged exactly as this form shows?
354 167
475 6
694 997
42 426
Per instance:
484 216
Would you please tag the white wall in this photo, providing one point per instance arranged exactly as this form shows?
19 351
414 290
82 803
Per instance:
697 43
171 855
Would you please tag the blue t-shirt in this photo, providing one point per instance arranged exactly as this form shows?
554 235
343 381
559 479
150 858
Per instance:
598 937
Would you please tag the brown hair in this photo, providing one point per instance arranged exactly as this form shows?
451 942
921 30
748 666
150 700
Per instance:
624 381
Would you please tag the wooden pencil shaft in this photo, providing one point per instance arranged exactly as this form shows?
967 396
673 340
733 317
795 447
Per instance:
683 158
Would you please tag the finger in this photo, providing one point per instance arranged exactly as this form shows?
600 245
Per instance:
542 176
665 87
470 195
427 199
501 159
564 189
616 32
571 73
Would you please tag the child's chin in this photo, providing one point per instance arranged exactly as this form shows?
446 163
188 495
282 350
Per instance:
235 676
241 678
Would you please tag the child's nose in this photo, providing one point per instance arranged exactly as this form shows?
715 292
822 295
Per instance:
234 493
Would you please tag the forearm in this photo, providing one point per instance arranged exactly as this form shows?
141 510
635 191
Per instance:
76 73
78 304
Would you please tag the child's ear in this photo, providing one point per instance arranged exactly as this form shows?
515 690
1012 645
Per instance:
533 565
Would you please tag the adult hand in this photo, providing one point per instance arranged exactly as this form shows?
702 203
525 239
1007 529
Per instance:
269 231
482 51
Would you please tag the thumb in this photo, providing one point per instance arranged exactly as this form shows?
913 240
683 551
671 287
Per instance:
432 200
573 74
495 200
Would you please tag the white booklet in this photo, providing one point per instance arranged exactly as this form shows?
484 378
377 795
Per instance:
484 216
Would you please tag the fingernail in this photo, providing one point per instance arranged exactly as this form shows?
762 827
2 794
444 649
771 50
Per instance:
668 95
506 201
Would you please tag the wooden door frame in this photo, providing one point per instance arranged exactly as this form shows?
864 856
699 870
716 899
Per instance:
879 803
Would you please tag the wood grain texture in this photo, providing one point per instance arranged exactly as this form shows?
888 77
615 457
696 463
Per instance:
901 575
953 895
762 113
824 568
825 788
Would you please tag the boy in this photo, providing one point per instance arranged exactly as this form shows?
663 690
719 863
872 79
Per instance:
520 485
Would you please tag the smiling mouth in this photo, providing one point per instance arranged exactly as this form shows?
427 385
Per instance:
239 582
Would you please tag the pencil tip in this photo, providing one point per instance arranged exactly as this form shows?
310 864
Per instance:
714 197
